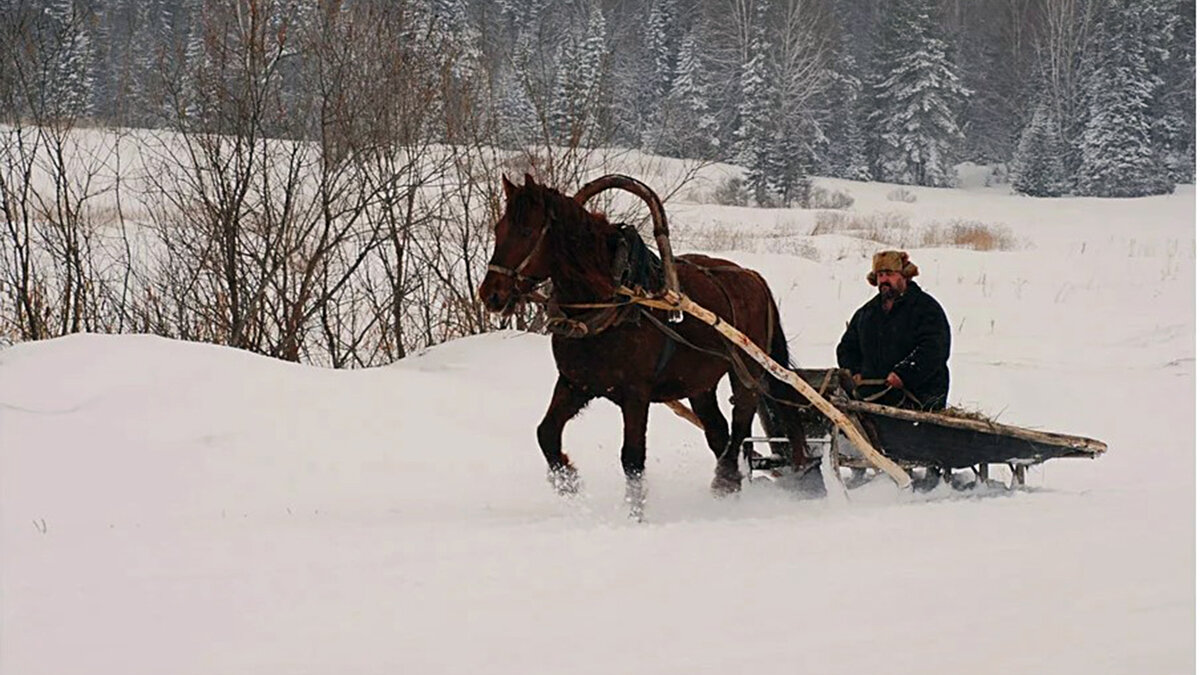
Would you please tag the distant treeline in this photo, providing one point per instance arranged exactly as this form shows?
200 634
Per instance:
1091 97
315 180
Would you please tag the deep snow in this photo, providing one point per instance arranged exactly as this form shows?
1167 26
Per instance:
182 508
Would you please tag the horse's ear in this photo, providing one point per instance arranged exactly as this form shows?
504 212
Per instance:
534 190
508 186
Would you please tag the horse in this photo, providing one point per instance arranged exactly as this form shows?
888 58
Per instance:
629 354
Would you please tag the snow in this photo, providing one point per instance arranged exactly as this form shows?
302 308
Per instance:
183 508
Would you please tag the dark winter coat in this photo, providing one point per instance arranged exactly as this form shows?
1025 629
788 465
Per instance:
912 340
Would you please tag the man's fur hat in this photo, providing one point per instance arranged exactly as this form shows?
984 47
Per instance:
891 261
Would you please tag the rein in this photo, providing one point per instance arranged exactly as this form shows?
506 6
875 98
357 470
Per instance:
873 397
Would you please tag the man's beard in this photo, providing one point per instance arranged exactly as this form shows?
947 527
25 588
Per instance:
887 291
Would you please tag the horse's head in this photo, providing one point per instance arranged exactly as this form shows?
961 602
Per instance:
519 261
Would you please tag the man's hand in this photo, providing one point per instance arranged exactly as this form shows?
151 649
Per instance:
894 381
857 379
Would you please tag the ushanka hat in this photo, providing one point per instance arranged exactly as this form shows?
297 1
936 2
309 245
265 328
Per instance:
891 261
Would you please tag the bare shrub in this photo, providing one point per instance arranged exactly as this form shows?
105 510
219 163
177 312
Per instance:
998 176
830 223
901 195
886 228
801 248
970 234
60 271
716 239
820 198
732 192
270 214
517 165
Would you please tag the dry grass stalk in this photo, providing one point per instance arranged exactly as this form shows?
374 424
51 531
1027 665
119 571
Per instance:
970 234
964 414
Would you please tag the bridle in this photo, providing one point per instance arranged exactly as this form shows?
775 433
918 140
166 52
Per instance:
516 272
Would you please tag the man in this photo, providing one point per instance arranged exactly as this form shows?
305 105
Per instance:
896 346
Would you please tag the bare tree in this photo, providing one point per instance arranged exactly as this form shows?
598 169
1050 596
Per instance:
403 63
802 51
55 281
1062 43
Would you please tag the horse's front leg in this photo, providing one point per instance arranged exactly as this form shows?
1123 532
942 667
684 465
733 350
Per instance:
566 402
635 409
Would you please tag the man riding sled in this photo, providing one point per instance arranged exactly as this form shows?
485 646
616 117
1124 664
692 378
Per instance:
897 345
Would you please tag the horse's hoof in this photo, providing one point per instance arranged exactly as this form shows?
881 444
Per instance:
565 480
635 499
724 484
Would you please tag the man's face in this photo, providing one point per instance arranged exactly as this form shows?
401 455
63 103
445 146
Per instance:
891 284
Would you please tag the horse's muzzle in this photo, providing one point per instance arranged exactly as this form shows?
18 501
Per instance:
497 294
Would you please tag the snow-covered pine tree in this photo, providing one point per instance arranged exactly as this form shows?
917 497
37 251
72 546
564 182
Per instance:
659 73
789 163
580 64
453 27
1171 27
593 63
522 92
564 104
515 113
68 89
690 129
917 95
147 48
105 44
844 152
1181 95
1038 163
460 50
1118 154
663 47
755 133
196 90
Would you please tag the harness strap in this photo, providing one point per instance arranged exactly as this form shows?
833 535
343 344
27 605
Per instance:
596 321
664 357
739 366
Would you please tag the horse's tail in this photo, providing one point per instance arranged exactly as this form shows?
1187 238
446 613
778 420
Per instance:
778 411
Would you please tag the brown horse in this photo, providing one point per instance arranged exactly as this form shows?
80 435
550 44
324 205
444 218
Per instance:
628 354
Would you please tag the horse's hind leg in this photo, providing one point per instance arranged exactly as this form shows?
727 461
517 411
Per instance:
745 405
716 431
566 402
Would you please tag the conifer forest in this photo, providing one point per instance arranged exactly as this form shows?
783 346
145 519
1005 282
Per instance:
314 179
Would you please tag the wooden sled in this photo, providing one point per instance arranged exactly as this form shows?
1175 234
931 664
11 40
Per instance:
935 441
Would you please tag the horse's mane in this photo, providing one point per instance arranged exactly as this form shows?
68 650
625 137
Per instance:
581 243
